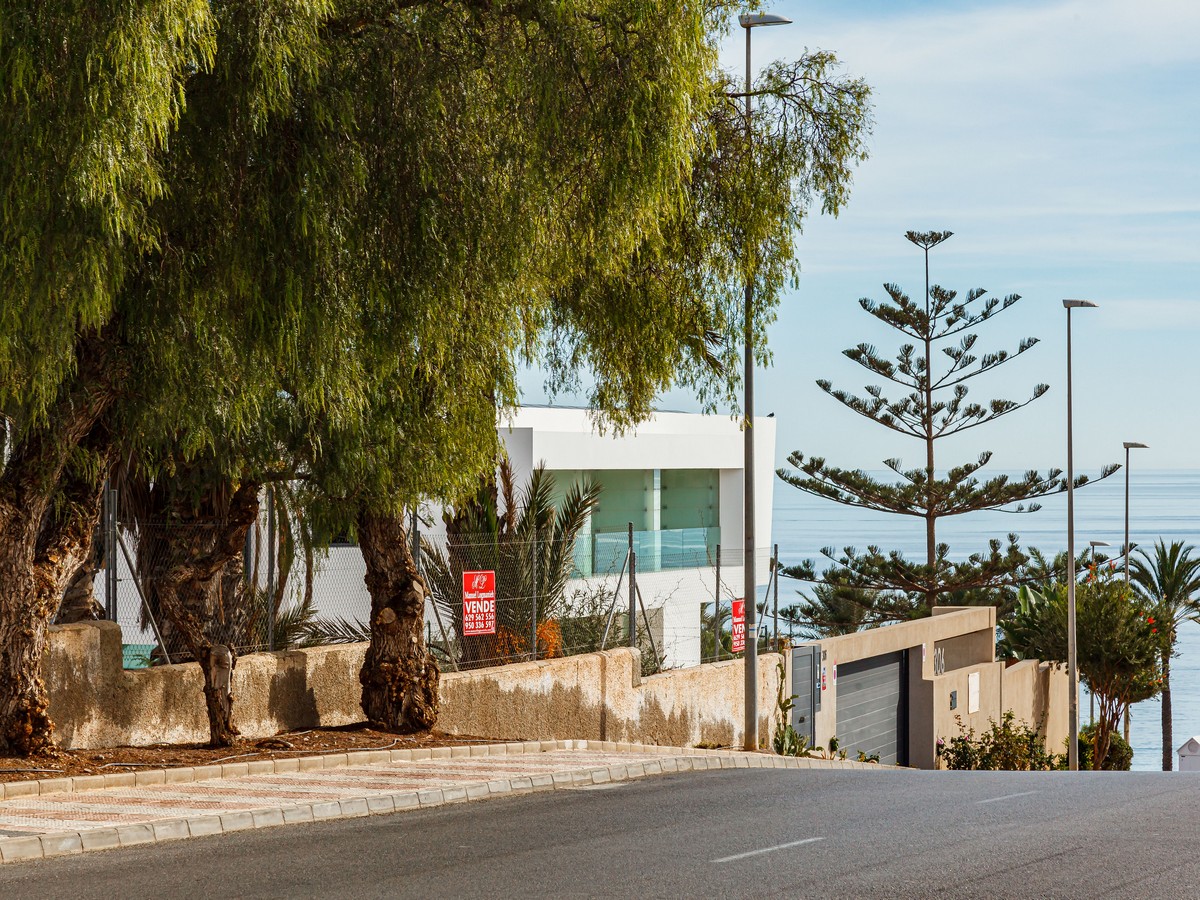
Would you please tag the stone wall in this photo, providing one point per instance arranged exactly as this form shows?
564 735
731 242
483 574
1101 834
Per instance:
599 696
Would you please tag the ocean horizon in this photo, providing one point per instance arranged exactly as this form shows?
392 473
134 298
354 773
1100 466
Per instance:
1163 504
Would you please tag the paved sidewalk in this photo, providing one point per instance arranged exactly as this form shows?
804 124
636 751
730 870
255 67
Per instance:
64 816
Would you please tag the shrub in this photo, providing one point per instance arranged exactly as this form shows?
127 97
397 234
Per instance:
1119 757
1008 746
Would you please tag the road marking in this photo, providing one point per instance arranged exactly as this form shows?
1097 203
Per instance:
737 856
1007 797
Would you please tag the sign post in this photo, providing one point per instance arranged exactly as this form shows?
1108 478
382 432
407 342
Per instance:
479 603
738 642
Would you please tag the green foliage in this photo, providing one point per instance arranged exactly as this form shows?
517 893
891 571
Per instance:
1119 645
1119 757
785 740
932 404
527 539
1007 746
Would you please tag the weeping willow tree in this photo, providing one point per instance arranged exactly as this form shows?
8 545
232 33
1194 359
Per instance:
931 371
315 240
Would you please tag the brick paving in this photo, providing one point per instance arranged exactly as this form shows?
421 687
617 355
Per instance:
63 816
74 811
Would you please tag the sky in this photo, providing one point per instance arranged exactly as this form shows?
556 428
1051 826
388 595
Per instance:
1058 141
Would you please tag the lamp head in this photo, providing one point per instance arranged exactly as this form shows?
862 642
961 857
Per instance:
1134 445
1100 543
760 19
1079 304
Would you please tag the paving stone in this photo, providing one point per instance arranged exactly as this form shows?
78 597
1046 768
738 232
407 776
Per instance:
430 798
100 839
327 810
380 804
14 849
296 814
61 844
171 830
132 835
202 826
54 785
266 818
237 821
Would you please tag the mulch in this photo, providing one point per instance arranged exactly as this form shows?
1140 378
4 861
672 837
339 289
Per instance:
289 745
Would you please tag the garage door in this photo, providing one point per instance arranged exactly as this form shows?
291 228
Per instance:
872 707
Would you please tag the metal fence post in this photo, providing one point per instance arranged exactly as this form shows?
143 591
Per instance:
633 641
717 611
270 568
533 605
775 573
110 551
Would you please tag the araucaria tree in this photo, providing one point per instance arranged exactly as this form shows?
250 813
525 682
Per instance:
931 371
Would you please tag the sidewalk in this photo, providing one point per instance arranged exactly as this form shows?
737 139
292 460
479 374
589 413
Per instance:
61 816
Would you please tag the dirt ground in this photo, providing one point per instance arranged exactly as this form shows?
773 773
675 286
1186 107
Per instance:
313 742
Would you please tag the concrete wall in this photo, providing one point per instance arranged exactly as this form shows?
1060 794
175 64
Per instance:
599 696
602 696
969 632
1036 692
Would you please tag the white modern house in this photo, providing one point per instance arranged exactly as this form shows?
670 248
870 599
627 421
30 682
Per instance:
679 479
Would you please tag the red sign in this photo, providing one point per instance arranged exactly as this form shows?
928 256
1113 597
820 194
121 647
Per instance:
738 644
479 603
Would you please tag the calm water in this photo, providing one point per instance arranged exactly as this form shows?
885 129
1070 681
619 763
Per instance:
1162 505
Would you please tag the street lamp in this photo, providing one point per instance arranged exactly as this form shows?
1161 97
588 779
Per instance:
1094 545
1129 445
750 657
1072 668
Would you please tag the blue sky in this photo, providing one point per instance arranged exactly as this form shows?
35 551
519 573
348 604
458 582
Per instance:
1058 141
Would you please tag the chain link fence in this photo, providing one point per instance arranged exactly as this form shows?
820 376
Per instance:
541 598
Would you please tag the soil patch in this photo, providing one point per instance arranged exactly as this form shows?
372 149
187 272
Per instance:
289 745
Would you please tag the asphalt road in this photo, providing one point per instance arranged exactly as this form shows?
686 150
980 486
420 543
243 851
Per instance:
728 833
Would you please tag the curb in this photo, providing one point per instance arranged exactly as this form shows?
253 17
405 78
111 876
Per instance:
11 790
674 760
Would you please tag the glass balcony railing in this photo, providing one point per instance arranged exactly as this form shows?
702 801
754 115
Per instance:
657 551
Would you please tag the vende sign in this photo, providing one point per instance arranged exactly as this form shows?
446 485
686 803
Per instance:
739 626
479 603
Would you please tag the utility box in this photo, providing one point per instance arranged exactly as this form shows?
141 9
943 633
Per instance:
1189 756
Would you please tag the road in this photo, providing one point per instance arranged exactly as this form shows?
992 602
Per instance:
728 833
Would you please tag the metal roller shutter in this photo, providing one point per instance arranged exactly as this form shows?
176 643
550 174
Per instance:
872 707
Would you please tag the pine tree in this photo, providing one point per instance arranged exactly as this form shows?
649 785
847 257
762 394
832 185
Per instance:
934 406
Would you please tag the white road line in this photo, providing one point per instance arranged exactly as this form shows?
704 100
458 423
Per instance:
1007 797
737 856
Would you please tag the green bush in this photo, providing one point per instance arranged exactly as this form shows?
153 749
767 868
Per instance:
1006 746
1119 757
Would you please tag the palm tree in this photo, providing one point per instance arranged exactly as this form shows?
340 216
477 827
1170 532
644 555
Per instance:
1170 579
529 542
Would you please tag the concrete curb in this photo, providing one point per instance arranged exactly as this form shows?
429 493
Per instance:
188 774
673 760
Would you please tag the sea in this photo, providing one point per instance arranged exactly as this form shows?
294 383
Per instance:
1163 505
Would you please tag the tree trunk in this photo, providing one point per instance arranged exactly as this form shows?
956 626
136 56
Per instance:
1168 736
79 603
399 676
189 595
49 510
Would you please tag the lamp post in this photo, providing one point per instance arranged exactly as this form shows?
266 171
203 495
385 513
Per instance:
749 23
1072 667
1128 445
1091 693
